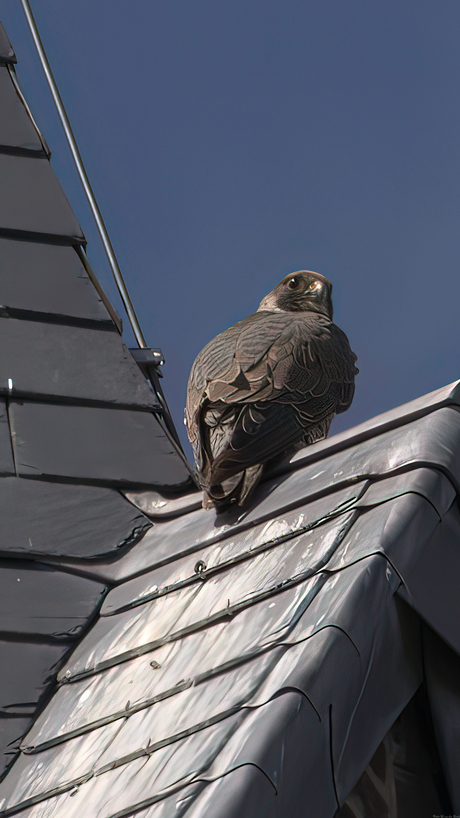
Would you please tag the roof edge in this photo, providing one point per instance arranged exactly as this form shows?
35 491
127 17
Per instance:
399 416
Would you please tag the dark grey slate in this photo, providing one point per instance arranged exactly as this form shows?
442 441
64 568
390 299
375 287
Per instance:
442 668
33 201
26 670
16 129
6 454
48 279
30 664
70 361
435 577
40 600
7 54
64 520
111 446
11 731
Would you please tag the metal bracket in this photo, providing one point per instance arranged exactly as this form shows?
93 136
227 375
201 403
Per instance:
146 358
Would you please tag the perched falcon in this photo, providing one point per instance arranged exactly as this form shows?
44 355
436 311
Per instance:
267 386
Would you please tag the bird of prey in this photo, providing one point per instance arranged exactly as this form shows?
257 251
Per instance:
267 386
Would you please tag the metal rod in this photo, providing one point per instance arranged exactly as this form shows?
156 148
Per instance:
117 274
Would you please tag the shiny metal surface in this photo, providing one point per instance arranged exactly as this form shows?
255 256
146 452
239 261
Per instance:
431 484
399 529
57 766
167 712
197 565
445 396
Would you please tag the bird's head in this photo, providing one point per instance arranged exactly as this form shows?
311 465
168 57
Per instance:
303 291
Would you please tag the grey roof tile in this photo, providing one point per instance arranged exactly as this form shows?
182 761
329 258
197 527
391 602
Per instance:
6 50
32 663
428 483
398 529
41 518
16 128
113 790
69 762
442 669
28 663
33 201
48 279
103 445
434 576
191 563
252 628
259 651
6 453
446 396
431 484
40 600
245 791
70 362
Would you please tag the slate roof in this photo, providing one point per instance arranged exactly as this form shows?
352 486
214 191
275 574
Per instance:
78 419
300 657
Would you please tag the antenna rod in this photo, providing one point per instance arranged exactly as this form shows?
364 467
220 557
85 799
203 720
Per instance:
117 274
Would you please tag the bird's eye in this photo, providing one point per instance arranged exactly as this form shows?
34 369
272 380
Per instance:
293 283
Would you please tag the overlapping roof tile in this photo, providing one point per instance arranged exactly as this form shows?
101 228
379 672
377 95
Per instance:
166 660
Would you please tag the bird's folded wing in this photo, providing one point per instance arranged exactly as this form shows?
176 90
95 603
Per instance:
285 358
294 370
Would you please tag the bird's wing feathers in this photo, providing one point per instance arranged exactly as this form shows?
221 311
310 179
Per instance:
272 374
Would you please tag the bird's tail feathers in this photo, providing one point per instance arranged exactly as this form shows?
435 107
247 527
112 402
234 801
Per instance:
234 490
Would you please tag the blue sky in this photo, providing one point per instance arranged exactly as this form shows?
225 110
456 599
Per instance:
231 142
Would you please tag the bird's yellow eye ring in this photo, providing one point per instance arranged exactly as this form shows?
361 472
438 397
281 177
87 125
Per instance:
293 283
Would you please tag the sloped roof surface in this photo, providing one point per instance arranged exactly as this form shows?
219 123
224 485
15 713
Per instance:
185 663
77 420
250 665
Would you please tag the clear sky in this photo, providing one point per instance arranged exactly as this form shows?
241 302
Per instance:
230 142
